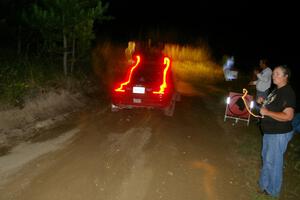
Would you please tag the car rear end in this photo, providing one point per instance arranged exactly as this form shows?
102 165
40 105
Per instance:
148 84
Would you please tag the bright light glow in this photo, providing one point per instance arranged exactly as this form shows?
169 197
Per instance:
138 90
229 63
227 68
251 104
163 86
228 100
121 89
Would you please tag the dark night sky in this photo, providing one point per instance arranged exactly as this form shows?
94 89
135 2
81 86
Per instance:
248 29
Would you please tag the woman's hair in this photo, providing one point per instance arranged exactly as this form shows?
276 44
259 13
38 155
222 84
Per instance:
286 71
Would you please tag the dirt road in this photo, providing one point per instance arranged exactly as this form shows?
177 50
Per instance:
135 155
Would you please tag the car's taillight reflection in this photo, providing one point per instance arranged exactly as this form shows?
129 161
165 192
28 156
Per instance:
129 75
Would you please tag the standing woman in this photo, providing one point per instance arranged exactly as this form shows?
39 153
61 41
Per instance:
278 111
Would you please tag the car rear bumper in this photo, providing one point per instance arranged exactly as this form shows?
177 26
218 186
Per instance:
139 101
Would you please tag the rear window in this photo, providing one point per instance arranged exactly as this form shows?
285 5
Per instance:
148 72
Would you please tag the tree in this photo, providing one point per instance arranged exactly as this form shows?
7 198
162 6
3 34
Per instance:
11 16
67 26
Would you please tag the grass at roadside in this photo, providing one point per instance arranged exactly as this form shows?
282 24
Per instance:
192 64
291 185
18 77
249 149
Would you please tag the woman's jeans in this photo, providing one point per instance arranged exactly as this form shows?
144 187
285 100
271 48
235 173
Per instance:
274 147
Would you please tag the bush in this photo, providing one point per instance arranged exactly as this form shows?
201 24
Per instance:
23 78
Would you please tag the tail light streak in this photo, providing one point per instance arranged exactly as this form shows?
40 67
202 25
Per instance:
164 85
129 75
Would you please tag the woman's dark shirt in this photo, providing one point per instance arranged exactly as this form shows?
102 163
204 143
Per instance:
277 101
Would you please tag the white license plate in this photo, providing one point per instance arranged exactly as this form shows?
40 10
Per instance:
138 90
137 100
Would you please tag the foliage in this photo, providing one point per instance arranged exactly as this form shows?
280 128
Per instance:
194 63
66 26
20 77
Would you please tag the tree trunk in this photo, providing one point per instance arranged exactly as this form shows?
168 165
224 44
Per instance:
19 45
65 55
73 54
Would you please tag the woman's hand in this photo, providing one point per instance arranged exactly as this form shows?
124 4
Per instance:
264 111
260 100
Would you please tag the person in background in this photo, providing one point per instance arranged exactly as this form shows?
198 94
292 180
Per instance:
264 79
278 112
228 63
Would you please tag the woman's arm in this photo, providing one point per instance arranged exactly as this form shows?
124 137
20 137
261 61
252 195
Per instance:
286 115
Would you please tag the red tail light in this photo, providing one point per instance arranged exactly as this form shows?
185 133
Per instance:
164 85
129 74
